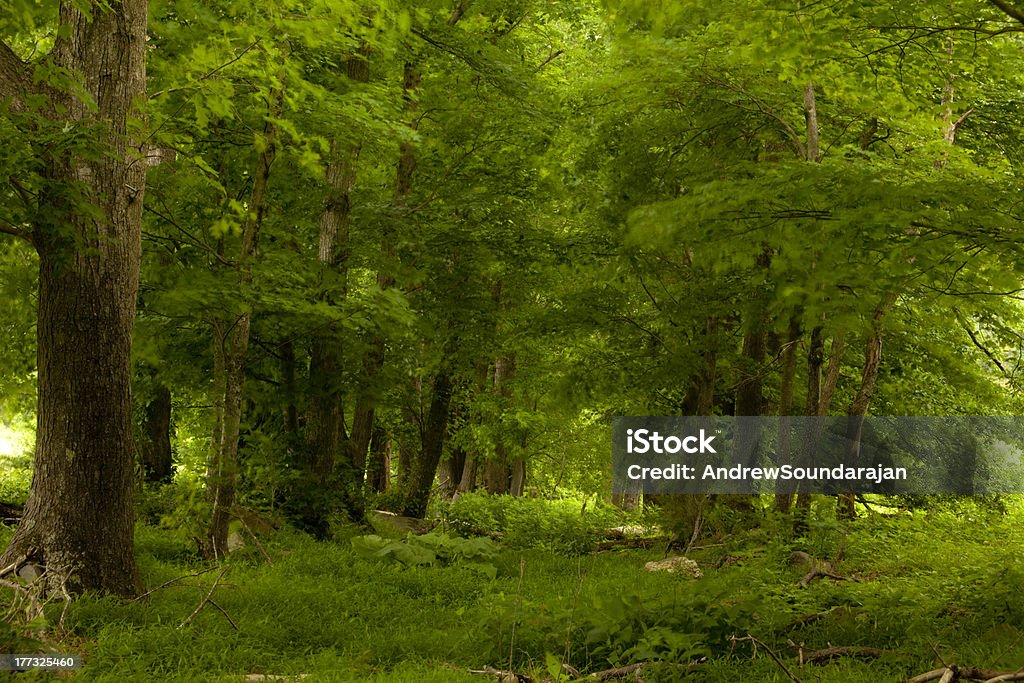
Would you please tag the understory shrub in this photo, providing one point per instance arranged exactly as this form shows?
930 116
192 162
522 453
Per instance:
561 526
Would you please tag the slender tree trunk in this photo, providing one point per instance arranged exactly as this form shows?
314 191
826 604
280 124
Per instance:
230 347
858 409
363 419
332 481
498 474
784 500
434 435
79 518
812 407
378 470
157 461
835 361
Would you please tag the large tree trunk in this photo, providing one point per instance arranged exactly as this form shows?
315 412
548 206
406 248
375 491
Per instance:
78 520
449 473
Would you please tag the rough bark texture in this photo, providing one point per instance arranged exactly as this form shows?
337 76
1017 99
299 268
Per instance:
449 473
835 361
78 520
467 482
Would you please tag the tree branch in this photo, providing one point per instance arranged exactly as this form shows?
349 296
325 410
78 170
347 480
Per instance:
7 229
1009 10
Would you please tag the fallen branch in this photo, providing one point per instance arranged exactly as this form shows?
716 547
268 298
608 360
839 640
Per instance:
951 673
830 653
819 573
206 600
165 584
755 642
623 671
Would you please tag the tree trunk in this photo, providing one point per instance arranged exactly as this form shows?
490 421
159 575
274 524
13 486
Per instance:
449 473
363 419
378 470
434 435
835 361
862 401
329 482
784 500
230 347
812 407
468 480
518 478
157 462
79 517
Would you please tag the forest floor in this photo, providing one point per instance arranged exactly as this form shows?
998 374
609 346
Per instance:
926 590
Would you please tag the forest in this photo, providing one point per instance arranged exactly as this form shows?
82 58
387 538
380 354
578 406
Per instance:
318 317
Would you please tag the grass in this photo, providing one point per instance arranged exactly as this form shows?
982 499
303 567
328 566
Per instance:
941 584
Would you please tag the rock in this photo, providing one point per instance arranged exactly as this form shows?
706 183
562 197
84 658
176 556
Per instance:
675 565
801 559
235 541
30 571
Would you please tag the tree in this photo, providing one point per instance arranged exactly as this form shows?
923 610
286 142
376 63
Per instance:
82 210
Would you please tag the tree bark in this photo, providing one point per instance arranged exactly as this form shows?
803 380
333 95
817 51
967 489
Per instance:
157 461
230 347
812 407
784 499
363 419
79 517
449 473
378 470
434 435
858 409
331 483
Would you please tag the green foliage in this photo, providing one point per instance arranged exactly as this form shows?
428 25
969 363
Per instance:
561 526
431 549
